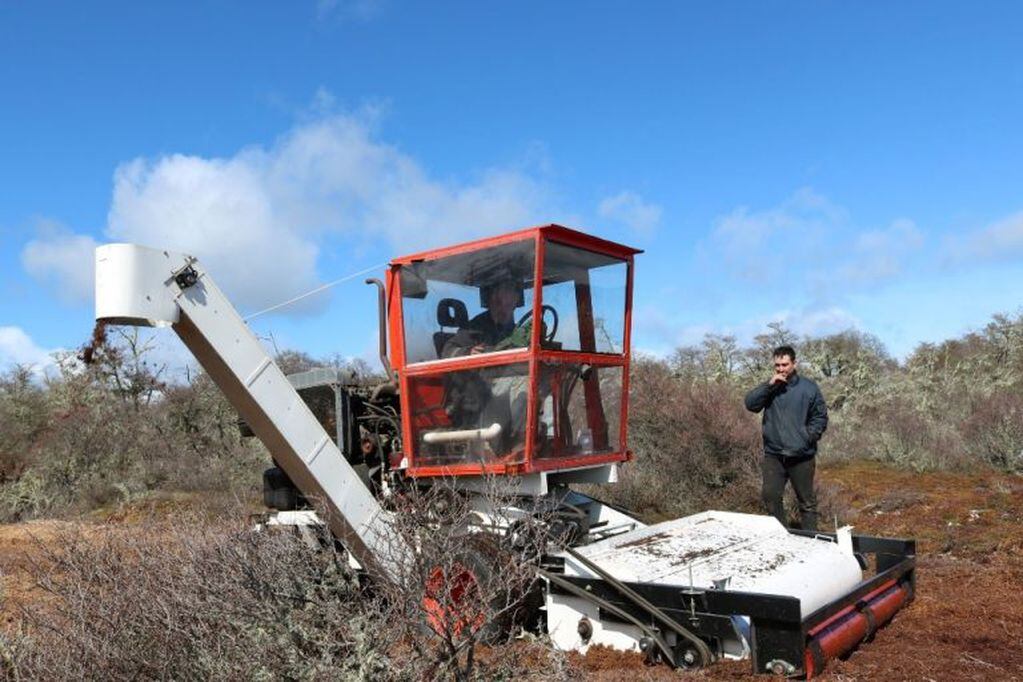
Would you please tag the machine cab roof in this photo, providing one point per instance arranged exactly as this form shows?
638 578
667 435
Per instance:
513 352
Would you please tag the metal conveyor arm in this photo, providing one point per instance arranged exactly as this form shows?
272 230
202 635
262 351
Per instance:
140 286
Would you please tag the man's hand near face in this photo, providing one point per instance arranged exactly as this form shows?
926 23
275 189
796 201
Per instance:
784 366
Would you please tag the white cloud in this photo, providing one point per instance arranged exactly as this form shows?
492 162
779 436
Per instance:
258 218
1001 240
879 255
61 259
18 348
811 322
807 244
659 333
629 209
757 244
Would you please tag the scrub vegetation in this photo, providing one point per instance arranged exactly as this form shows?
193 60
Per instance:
129 553
108 427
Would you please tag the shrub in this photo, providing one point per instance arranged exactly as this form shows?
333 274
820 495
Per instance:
187 598
695 445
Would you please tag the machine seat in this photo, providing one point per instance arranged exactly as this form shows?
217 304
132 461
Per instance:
451 313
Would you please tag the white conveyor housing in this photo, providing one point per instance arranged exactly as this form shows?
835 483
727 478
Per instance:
141 286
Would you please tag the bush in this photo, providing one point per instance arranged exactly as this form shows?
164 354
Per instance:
185 598
695 446
993 431
107 432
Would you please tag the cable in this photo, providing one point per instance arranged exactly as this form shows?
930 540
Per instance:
314 291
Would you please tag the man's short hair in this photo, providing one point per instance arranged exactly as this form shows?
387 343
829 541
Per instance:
782 351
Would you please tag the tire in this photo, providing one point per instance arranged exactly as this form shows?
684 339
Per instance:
452 601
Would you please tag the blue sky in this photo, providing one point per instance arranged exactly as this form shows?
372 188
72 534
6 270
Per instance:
827 164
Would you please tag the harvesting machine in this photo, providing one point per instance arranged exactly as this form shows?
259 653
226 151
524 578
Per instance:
539 410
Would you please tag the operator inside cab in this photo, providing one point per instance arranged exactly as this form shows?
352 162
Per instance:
493 329
491 395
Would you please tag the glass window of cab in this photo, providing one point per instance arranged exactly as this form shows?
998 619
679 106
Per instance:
583 300
468 303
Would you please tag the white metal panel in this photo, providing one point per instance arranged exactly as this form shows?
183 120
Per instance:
712 550
131 285
742 552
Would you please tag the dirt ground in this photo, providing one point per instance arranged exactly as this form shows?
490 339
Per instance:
965 624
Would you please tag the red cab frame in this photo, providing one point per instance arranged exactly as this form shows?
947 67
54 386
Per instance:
535 356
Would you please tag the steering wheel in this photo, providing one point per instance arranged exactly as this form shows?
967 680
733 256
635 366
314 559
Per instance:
552 330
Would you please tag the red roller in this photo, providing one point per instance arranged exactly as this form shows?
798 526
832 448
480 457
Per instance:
850 626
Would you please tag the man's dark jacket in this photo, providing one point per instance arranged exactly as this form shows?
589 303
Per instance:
795 416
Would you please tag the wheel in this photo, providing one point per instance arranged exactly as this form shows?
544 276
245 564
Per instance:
468 595
688 658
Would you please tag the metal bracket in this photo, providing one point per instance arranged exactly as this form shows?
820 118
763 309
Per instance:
701 648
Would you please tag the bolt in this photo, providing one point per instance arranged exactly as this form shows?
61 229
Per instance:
780 667
585 629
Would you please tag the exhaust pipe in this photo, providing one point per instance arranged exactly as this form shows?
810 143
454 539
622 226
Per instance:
382 322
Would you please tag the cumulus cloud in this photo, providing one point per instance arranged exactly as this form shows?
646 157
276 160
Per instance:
660 332
800 263
258 218
18 348
62 260
810 322
632 211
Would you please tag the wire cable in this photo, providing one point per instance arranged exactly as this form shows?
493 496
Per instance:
317 290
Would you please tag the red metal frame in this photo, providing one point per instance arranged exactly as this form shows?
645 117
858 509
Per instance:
534 355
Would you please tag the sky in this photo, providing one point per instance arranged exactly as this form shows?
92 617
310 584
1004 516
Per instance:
829 165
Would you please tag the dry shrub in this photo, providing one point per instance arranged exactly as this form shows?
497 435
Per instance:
177 599
472 581
695 446
994 430
187 598
108 432
901 432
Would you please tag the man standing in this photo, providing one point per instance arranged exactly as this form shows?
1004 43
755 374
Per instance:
795 417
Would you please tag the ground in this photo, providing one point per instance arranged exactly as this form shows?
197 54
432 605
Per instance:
965 624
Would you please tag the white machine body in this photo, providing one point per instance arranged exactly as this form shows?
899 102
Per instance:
710 550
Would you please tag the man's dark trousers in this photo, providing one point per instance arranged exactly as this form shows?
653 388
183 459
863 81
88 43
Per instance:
777 470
